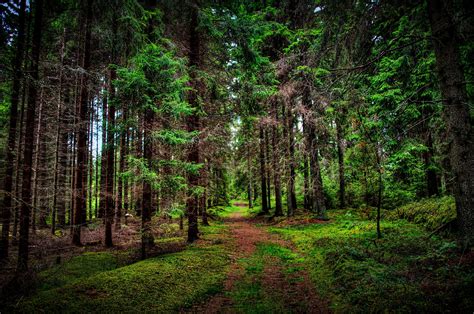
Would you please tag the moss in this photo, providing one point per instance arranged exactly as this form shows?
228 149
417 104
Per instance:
431 213
249 294
403 271
93 283
79 267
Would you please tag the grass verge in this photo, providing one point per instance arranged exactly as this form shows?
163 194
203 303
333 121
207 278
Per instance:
405 271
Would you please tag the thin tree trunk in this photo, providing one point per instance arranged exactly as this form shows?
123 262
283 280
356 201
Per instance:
318 196
380 188
147 236
267 168
96 199
193 124
18 163
29 136
249 187
340 158
110 201
276 166
263 173
292 173
103 162
37 171
58 136
431 176
12 130
121 189
90 163
79 199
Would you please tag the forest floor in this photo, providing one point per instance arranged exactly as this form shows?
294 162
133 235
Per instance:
266 275
245 263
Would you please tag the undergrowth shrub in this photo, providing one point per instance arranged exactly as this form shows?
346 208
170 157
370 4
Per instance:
431 213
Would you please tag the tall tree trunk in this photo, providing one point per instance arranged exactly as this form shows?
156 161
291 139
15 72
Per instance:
90 164
193 124
147 236
29 137
276 164
122 189
249 175
110 201
267 168
308 199
58 137
318 196
126 185
431 176
18 163
10 157
103 160
453 90
380 187
63 164
291 156
36 166
204 198
96 175
62 180
263 174
80 189
340 159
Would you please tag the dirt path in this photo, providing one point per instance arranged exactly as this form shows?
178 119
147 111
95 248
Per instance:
293 291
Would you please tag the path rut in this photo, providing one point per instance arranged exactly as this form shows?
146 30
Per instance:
295 291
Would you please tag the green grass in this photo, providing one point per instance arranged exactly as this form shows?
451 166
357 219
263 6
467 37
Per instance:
404 271
227 211
250 294
95 282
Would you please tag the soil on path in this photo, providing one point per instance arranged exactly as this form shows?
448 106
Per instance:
298 296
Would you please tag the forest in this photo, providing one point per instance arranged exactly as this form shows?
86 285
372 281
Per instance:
237 156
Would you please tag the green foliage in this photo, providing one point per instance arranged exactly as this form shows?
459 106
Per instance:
156 80
431 213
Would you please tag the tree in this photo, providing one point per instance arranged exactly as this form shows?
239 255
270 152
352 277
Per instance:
453 90
10 158
23 249
82 147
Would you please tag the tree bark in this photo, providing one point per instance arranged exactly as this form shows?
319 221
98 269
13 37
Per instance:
431 176
110 201
340 159
122 187
453 91
58 137
318 195
263 174
80 171
193 124
267 162
29 137
249 183
10 156
291 156
276 165
103 159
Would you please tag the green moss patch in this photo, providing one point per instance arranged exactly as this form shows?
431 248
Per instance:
403 271
94 282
